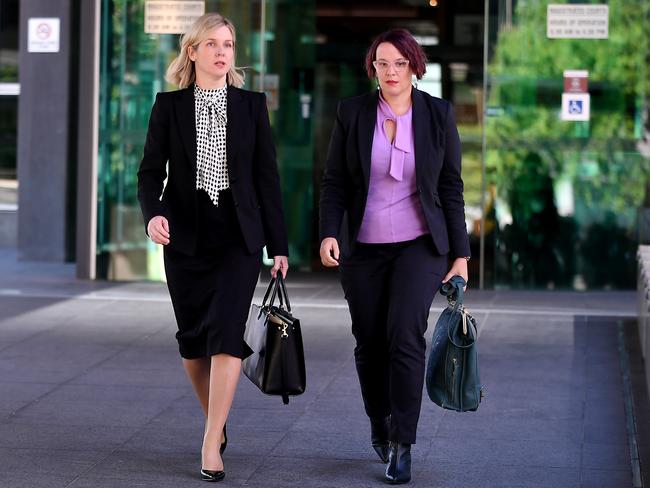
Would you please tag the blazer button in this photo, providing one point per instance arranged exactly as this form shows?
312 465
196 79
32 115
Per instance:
233 179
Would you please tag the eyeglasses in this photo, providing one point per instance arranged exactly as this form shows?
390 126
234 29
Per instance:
399 65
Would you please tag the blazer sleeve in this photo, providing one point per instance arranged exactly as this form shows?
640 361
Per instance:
153 167
332 193
450 189
267 185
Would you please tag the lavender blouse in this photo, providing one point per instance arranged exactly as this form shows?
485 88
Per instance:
393 210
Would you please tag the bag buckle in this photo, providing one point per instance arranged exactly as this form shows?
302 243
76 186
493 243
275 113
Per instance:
280 323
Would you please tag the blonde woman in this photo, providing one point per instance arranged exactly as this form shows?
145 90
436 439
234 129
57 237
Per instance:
220 206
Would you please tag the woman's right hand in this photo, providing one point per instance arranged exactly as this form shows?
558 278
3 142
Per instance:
158 230
329 252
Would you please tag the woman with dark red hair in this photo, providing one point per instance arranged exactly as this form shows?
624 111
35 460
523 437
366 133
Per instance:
394 170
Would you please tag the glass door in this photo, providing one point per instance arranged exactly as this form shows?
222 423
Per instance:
132 70
563 196
9 91
287 52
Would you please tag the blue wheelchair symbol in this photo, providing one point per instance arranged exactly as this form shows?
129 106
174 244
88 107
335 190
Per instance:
575 107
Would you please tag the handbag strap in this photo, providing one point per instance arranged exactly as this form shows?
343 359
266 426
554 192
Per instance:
275 290
283 372
453 289
268 292
278 290
283 292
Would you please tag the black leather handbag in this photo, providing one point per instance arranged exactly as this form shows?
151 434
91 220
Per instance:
452 376
277 365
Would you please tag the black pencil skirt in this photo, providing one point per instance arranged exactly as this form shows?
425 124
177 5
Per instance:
211 291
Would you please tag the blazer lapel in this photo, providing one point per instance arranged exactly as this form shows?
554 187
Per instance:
422 131
186 118
235 124
367 121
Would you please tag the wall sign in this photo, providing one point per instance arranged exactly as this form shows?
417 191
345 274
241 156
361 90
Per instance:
171 17
575 106
576 80
577 21
43 35
575 99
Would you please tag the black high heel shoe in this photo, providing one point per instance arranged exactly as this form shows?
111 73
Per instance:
398 470
214 476
211 475
379 430
224 444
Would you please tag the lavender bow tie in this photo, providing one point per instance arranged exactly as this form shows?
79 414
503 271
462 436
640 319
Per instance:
402 142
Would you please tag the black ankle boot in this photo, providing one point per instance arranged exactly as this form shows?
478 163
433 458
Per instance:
379 430
399 463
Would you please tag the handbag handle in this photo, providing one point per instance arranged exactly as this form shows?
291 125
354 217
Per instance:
277 286
268 292
453 289
274 285
283 293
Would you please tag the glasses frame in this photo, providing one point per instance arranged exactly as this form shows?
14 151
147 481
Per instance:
379 69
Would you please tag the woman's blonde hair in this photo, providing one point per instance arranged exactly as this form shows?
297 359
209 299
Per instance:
181 70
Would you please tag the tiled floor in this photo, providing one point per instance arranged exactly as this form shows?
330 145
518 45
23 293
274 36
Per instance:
92 394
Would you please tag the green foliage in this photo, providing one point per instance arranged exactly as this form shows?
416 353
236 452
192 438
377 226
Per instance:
530 145
9 73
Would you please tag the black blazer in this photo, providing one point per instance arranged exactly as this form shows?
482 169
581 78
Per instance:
344 188
252 169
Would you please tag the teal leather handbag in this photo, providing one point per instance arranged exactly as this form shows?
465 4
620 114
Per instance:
452 376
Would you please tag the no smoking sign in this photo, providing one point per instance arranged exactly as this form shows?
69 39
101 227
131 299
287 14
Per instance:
43 35
43 31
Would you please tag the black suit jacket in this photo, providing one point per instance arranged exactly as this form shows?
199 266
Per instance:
344 187
252 170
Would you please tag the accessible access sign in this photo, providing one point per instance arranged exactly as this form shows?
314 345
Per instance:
575 99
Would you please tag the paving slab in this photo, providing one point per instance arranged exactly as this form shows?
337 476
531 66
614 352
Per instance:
92 394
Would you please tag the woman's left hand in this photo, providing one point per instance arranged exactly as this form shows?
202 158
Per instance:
458 267
280 263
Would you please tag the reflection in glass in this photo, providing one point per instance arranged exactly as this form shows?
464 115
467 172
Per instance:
132 70
9 91
566 194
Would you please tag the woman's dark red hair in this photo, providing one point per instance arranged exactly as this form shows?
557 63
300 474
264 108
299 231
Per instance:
406 44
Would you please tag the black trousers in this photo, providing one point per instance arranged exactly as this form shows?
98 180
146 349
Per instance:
389 289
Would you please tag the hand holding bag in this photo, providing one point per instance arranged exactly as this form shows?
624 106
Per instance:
277 365
452 376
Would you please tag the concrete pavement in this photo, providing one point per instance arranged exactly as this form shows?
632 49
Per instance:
92 394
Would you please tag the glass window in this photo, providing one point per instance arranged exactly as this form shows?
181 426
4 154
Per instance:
9 91
454 72
431 82
559 205
564 196
133 66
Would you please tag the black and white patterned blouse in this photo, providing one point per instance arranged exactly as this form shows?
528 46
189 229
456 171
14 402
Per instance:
211 119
